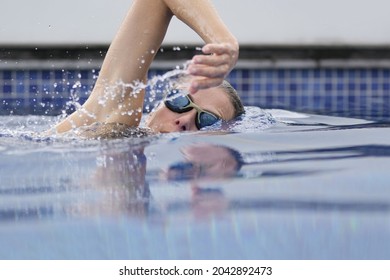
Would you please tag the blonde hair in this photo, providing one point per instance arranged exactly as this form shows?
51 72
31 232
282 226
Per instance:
234 98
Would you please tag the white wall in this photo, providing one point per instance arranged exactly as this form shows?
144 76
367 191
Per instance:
81 22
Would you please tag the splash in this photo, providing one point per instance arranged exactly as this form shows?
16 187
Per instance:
253 120
29 127
160 86
26 127
157 88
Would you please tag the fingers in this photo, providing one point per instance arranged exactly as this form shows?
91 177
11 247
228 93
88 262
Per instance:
214 60
220 49
217 54
220 71
211 68
200 84
207 76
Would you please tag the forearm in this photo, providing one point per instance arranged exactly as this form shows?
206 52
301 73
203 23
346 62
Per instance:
129 57
203 18
136 42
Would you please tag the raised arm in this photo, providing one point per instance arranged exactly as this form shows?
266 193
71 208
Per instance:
127 60
221 49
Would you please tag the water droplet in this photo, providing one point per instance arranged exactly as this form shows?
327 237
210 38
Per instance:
76 85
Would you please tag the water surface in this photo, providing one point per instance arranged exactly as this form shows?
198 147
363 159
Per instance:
275 185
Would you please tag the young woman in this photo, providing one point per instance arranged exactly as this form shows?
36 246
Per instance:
130 55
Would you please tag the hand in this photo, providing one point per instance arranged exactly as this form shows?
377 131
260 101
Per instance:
211 68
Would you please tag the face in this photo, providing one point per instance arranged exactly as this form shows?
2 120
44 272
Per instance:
204 161
214 100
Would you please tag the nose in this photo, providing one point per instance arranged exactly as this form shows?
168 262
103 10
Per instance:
185 121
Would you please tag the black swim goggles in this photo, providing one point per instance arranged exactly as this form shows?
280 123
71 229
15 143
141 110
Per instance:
184 103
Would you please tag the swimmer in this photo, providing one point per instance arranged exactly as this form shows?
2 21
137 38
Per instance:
209 97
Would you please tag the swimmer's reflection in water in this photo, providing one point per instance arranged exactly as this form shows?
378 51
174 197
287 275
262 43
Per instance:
206 161
121 178
119 186
119 181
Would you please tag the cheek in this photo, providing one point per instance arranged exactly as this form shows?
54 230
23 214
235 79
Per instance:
157 116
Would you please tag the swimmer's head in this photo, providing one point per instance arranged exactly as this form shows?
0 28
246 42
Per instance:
197 111
206 161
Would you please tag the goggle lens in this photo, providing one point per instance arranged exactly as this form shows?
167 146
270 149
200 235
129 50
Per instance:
184 103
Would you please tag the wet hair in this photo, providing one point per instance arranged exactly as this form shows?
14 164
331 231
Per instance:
237 156
234 98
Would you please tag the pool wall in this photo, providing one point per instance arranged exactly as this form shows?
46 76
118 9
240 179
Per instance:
353 82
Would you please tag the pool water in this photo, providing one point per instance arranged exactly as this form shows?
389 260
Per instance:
276 185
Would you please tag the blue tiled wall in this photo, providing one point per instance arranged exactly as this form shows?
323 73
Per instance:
42 91
355 92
